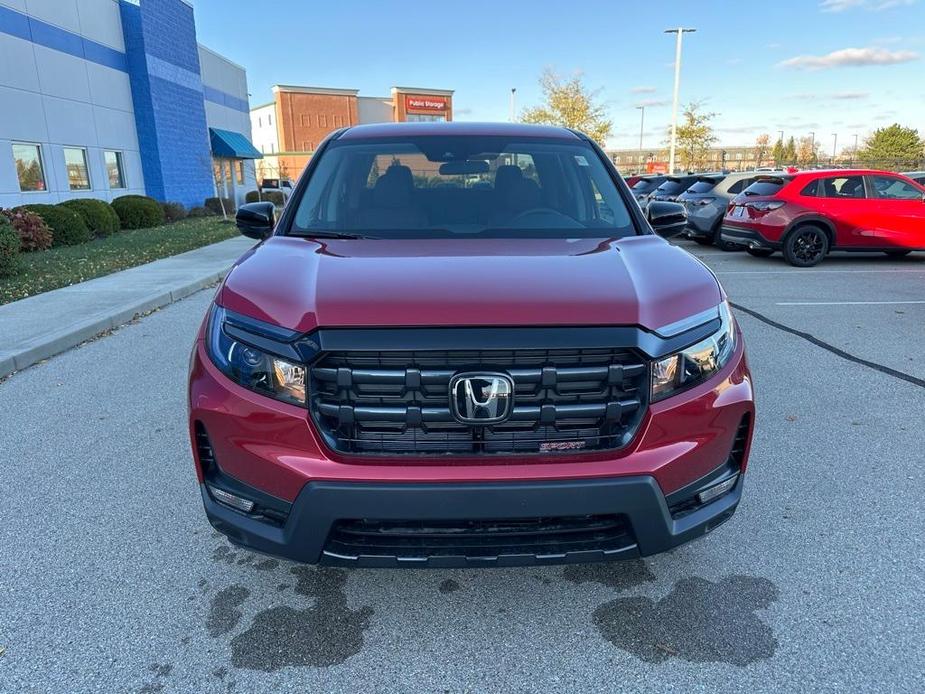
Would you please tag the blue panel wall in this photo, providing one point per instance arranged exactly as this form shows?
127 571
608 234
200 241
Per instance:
163 62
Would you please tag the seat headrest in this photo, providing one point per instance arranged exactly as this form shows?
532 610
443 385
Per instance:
393 189
526 195
506 177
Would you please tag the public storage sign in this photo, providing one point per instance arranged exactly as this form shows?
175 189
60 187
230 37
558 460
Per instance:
425 103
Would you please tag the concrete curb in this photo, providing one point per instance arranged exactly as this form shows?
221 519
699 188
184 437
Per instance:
198 269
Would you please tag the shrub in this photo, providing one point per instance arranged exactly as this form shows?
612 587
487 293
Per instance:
34 234
138 212
98 215
9 248
67 227
274 196
173 211
200 212
215 205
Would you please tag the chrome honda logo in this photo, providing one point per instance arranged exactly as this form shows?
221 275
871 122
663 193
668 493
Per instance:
481 398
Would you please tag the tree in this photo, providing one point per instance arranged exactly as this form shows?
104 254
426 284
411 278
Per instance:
807 151
569 103
778 153
762 143
694 136
893 144
788 153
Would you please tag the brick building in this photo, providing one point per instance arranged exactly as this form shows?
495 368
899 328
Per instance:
739 158
288 129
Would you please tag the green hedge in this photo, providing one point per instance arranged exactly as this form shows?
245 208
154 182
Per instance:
9 248
200 212
274 196
173 211
67 227
98 215
138 212
215 205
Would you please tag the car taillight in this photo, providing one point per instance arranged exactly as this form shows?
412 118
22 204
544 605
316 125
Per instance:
765 205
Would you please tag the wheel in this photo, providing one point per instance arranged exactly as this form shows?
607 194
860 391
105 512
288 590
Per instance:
806 246
702 241
723 245
760 252
897 254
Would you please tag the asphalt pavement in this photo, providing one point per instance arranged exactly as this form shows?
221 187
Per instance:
112 580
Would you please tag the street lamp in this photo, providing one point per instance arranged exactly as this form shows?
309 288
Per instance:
642 122
513 91
834 145
680 31
812 146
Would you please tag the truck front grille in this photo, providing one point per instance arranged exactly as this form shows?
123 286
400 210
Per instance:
398 402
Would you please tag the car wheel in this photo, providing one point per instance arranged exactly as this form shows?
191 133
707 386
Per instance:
702 241
897 254
760 252
806 246
723 245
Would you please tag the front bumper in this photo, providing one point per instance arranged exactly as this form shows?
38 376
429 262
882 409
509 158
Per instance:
304 536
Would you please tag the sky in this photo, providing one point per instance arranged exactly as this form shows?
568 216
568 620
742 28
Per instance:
828 66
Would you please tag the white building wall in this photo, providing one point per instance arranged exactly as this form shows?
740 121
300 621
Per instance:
263 127
374 109
55 99
230 78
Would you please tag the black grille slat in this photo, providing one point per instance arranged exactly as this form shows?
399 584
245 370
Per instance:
479 538
398 402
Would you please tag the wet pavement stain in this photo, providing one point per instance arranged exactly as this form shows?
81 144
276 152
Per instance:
449 586
327 633
621 575
224 614
266 565
224 554
699 621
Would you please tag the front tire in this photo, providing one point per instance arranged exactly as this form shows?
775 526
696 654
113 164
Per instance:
760 252
806 246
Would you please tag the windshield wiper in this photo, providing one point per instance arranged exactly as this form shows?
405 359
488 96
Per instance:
331 235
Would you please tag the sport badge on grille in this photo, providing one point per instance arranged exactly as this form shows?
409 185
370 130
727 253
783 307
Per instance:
481 398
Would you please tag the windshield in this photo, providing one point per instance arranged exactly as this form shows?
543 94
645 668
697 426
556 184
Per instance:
644 185
704 185
430 186
673 186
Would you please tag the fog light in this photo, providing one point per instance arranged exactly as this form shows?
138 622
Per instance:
717 489
230 499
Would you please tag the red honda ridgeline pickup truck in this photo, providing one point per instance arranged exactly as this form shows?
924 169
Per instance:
463 345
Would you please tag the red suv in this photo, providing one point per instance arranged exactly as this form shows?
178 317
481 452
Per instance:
463 345
810 213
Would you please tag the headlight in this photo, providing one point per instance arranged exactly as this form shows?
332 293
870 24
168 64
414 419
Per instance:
687 368
253 368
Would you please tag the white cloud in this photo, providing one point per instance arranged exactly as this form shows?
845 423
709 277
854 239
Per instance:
850 57
873 5
642 90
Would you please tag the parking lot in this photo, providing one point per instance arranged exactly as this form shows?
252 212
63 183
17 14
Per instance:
112 580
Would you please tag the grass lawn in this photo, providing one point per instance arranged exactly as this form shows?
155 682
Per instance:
43 271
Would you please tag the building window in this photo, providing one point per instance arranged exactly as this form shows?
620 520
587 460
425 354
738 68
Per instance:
322 121
305 119
272 148
259 122
114 169
424 117
239 171
269 119
28 160
75 163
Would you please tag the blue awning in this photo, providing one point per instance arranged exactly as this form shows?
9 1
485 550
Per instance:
232 145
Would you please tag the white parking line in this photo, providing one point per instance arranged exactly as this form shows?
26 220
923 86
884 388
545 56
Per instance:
845 303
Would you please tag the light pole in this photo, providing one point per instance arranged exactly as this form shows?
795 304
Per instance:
680 31
834 145
812 146
642 122
855 154
513 91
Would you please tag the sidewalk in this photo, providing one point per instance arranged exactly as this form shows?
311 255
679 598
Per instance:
41 326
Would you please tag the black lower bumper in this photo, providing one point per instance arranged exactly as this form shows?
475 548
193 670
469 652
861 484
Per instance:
322 506
746 237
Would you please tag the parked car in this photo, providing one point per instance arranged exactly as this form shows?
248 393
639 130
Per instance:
406 371
810 213
644 186
917 176
669 189
284 185
706 202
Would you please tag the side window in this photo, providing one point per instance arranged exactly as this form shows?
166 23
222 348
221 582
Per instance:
842 187
889 188
811 190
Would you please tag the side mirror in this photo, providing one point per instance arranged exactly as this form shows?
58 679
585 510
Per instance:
256 219
666 218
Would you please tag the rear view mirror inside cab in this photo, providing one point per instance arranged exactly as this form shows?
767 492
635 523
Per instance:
459 168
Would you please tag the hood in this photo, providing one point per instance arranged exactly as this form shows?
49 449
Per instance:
302 284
